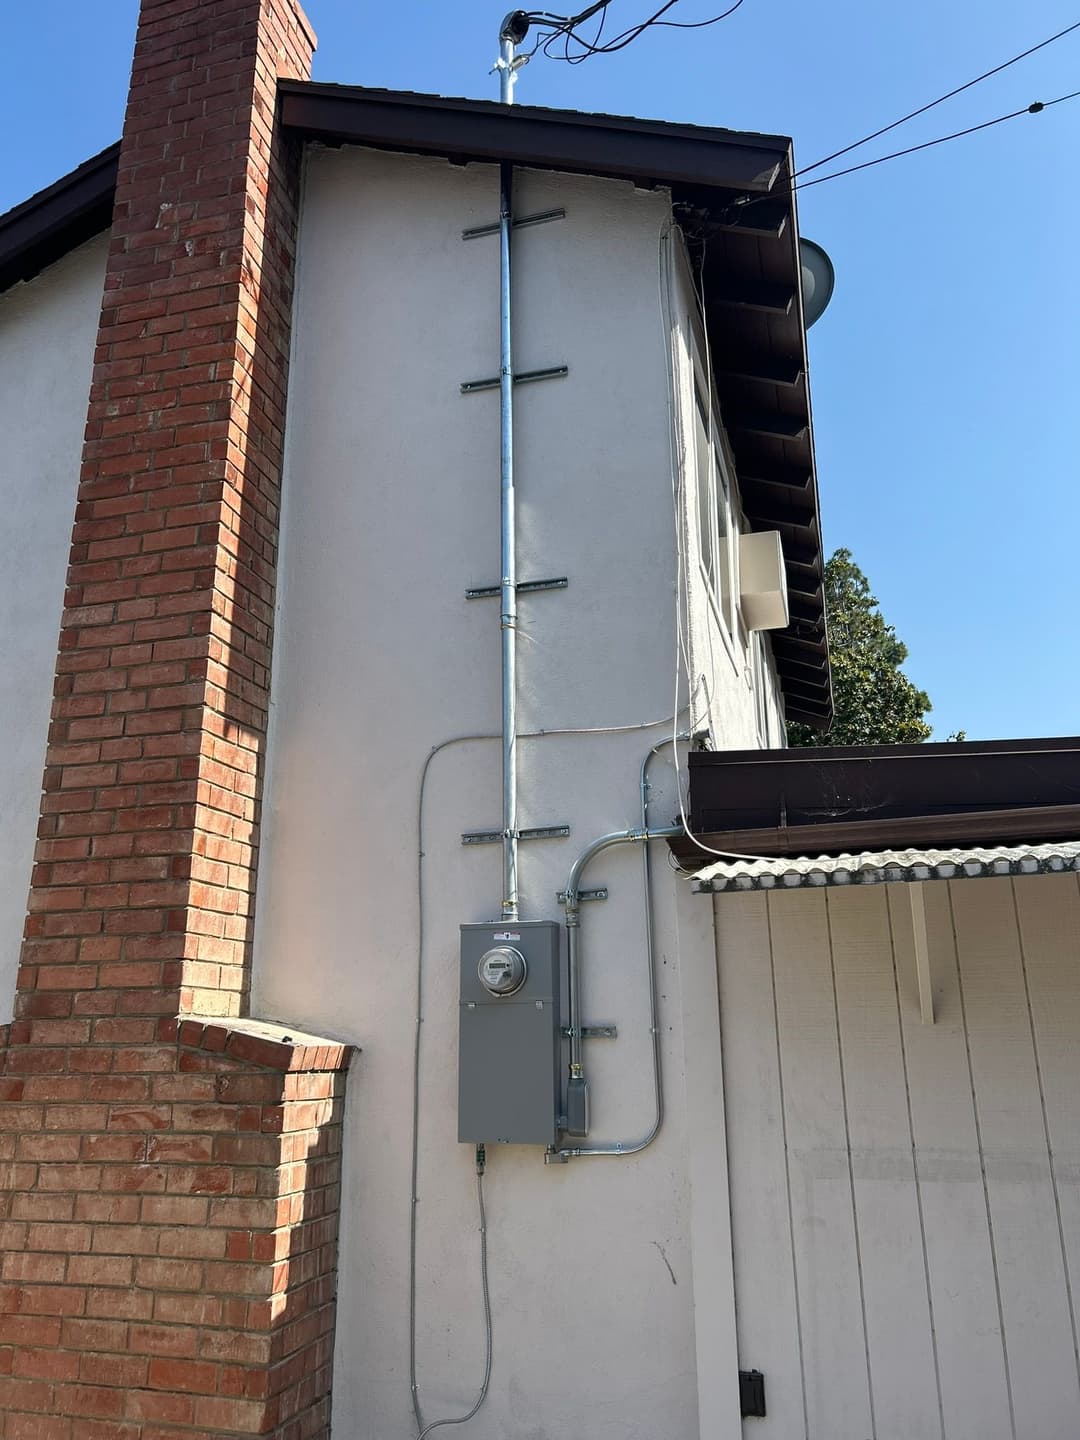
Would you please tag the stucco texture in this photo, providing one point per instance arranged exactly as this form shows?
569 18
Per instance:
47 332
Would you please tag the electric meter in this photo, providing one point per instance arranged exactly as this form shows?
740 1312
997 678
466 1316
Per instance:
502 970
510 1041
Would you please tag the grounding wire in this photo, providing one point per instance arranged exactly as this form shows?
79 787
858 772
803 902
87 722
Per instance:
415 1149
486 1289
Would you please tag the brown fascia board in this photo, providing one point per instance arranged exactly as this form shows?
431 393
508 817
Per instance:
849 799
1038 825
652 152
56 220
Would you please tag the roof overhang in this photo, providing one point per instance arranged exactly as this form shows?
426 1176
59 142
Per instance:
747 255
851 801
888 867
56 220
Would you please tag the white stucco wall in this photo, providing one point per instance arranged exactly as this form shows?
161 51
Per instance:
738 701
47 332
610 1278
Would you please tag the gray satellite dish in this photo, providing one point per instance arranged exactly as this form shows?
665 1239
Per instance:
818 279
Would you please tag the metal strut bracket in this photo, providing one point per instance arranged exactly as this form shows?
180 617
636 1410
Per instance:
600 894
521 377
594 1032
494 837
523 587
540 218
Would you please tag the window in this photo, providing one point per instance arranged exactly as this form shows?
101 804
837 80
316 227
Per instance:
717 519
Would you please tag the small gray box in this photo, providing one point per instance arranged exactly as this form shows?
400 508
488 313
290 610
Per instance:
510 1046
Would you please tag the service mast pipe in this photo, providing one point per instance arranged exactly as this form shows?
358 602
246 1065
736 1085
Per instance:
509 37
508 569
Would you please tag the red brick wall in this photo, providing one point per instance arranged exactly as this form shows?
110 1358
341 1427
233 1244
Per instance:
169 1236
169 1187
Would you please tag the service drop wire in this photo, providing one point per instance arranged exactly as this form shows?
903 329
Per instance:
932 104
794 185
1035 108
567 27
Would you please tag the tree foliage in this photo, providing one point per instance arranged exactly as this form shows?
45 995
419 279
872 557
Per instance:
874 701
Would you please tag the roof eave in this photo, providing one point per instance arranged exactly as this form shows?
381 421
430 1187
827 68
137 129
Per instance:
46 226
754 317
754 311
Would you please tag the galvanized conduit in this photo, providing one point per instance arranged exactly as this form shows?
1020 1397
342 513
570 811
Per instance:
577 1085
508 537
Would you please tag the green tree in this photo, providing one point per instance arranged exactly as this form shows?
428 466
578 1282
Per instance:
874 701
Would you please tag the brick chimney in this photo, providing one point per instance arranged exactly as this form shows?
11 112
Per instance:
169 1168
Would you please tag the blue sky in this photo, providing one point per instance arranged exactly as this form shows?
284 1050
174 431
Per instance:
946 372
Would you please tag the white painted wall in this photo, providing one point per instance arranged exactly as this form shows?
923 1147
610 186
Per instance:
390 510
47 332
905 1197
736 693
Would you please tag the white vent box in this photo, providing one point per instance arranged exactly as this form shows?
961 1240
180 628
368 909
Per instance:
763 581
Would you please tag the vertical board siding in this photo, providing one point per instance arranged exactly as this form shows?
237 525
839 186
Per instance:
906 1197
1027 1246
958 1257
830 1301
888 1221
765 1289
1049 921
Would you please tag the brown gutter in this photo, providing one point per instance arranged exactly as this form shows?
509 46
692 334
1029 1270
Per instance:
850 799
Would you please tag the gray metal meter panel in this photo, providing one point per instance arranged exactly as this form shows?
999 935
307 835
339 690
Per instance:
509 1034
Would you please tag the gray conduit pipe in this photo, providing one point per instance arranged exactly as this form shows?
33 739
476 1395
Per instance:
508 539
577 1106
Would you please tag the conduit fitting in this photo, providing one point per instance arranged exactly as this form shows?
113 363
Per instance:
577 1087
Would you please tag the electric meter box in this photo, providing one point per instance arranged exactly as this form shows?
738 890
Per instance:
510 1033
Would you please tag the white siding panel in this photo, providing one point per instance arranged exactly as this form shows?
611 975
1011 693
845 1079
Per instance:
1049 919
830 1307
1027 1247
959 1257
932 1170
895 1298
765 1295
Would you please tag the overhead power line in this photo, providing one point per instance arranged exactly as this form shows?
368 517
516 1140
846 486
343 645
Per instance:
795 184
566 28
1033 109
959 90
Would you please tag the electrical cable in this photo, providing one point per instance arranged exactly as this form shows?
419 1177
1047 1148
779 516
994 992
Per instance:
1033 109
680 460
414 1198
566 27
621 41
959 90
485 1287
793 184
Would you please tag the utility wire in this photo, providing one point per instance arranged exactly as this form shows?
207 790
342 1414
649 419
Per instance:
1033 109
567 28
793 183
856 144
